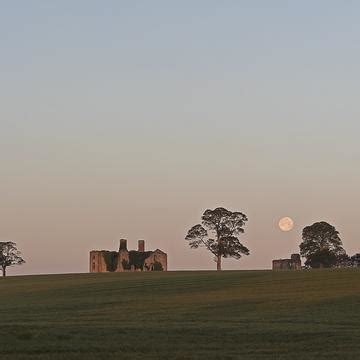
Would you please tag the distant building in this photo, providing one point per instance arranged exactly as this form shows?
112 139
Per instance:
294 263
355 260
124 260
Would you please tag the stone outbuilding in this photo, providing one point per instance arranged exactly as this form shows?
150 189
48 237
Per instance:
294 263
125 260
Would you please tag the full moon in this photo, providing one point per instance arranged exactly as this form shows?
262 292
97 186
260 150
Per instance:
286 224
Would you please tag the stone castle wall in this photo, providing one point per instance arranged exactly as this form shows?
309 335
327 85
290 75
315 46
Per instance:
294 263
157 257
97 262
124 260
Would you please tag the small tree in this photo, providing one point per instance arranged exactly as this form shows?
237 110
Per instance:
9 255
321 246
218 233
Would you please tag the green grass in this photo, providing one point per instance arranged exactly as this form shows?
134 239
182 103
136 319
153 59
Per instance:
182 315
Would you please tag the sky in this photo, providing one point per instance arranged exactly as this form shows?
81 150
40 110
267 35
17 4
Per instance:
128 119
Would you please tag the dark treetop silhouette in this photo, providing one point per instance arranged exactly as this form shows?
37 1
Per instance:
218 232
321 245
9 255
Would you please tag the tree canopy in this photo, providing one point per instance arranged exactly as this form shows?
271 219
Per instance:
219 233
9 255
321 245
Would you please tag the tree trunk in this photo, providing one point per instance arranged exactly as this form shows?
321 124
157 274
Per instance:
218 258
218 263
4 271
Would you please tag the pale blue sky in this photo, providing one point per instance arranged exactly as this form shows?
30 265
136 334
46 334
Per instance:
129 118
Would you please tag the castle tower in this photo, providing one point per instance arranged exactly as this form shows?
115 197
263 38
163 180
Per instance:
141 245
123 255
123 244
296 261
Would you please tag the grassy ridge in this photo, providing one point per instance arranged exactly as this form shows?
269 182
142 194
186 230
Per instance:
182 315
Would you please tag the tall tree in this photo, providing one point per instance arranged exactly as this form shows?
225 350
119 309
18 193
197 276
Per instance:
219 233
321 245
9 255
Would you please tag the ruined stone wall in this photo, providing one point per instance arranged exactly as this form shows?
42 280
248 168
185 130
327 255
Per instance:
97 262
157 261
294 263
282 264
123 258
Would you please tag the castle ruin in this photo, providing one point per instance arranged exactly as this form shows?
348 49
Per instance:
124 260
294 263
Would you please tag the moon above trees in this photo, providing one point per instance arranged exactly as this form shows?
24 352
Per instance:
286 224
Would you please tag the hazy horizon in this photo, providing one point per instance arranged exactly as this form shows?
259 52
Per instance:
128 119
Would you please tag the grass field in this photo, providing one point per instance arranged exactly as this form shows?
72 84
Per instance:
182 315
